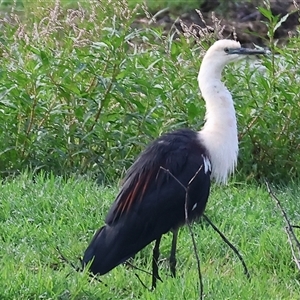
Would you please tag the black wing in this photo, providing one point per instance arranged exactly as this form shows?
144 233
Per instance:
151 201
148 187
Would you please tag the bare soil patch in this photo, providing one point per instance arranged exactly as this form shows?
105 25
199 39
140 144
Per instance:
244 20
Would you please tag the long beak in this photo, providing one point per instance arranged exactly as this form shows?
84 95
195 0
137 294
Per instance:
246 51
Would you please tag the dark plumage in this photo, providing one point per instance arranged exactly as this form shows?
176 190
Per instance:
151 202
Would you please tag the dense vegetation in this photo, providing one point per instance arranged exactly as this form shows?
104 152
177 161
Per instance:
84 89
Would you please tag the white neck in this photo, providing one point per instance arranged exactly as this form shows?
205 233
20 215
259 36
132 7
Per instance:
219 134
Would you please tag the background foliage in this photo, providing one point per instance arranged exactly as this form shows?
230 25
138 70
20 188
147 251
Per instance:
84 89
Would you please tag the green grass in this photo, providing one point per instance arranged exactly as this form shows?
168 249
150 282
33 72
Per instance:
83 90
37 215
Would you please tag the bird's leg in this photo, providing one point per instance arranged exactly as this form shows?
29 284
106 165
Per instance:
173 252
155 257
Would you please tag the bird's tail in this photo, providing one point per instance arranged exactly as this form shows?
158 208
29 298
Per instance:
105 251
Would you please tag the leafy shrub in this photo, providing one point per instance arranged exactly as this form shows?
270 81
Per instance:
269 113
84 89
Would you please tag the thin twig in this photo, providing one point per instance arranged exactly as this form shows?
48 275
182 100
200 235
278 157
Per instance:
297 260
168 171
192 234
77 269
189 225
289 225
234 249
64 259
293 241
153 19
142 283
139 269
296 226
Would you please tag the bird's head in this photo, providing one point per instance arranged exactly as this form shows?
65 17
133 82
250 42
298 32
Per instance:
223 52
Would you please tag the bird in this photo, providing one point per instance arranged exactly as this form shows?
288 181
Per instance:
151 200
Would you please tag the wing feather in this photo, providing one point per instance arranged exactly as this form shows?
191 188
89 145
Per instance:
133 190
172 152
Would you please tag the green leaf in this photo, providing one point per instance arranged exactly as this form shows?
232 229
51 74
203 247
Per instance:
282 20
266 12
44 58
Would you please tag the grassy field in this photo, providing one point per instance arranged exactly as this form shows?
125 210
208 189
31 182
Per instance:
37 215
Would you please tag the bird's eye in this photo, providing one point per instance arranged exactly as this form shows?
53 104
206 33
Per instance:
226 50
